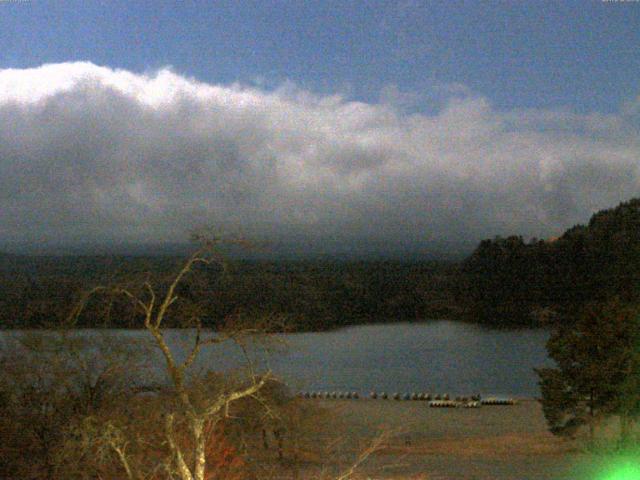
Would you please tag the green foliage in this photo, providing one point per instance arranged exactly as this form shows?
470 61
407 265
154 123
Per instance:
597 371
560 404
508 281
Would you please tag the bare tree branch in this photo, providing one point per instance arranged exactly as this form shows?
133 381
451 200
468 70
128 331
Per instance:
170 297
224 400
196 414
81 305
375 445
183 469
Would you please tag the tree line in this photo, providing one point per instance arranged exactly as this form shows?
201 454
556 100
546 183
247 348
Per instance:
504 282
313 295
510 281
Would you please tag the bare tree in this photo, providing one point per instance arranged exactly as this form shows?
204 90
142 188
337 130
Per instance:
48 380
181 430
190 411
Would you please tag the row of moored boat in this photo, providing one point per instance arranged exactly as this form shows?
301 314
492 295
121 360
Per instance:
435 400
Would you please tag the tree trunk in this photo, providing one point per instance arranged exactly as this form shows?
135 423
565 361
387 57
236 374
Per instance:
183 470
625 429
197 426
591 419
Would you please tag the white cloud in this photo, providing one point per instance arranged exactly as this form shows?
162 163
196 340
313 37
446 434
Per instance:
88 153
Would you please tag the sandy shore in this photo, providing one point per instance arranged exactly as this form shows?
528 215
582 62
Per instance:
491 442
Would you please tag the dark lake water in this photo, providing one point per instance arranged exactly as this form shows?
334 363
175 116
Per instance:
434 356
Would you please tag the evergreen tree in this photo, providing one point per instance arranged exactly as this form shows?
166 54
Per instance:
597 369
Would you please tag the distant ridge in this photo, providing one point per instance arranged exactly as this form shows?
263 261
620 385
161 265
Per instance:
285 251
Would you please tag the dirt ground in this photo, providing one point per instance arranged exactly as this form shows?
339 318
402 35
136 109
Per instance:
491 442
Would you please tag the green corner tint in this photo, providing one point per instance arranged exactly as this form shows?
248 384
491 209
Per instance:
623 470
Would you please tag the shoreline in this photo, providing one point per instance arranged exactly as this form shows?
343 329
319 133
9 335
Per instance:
509 442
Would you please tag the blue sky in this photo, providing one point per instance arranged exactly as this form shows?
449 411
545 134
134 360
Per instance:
581 55
342 125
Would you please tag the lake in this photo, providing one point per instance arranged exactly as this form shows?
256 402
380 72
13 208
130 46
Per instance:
434 356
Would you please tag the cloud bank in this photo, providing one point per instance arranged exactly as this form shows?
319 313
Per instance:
92 154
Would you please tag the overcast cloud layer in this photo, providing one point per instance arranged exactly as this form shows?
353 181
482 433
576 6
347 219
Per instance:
91 154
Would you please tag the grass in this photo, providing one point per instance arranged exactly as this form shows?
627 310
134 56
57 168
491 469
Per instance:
490 443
